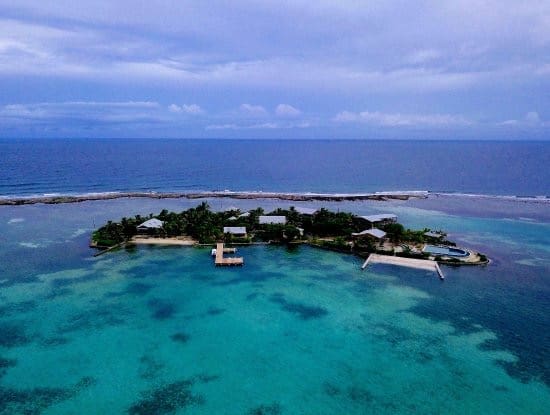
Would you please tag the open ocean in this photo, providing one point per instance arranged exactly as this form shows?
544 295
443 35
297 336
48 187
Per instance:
294 331
35 167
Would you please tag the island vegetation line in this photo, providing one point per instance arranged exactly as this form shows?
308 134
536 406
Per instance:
322 228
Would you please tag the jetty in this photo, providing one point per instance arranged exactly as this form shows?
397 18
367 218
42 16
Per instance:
220 260
424 264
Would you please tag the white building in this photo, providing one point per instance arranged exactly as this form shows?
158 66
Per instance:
272 220
305 211
149 225
374 233
380 218
235 230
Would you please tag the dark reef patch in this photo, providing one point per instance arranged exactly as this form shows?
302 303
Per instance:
331 389
393 334
138 288
55 341
249 277
214 311
357 394
34 401
58 292
13 335
171 397
149 367
252 296
64 282
134 288
273 409
17 308
303 311
180 337
101 316
5 364
161 309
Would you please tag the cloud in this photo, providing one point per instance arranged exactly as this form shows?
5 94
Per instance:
531 120
253 110
81 112
192 109
401 120
285 110
341 53
423 55
260 126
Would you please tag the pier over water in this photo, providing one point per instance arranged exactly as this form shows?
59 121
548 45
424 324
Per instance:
425 264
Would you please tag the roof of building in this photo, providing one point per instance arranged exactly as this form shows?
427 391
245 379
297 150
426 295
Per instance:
232 218
244 215
379 218
231 208
235 230
151 224
305 211
377 233
278 220
433 234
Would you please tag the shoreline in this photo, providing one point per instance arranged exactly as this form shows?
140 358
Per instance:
189 242
403 195
300 197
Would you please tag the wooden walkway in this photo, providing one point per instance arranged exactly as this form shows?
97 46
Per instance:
222 261
425 264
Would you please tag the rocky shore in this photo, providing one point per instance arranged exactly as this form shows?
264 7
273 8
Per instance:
301 197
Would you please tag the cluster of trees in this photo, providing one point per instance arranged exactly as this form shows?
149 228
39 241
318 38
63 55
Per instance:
206 226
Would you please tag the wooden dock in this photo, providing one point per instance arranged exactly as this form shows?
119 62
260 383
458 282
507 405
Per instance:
220 260
424 264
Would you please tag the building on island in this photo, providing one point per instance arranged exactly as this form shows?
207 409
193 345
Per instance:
244 215
235 230
231 209
150 226
272 220
380 219
305 211
370 233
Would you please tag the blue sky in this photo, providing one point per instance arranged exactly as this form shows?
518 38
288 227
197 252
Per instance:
275 69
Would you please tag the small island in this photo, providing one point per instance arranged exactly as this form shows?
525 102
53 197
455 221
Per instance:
379 234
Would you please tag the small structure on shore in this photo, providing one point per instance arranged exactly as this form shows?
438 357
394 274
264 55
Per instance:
272 220
305 211
150 225
235 230
380 219
370 233
435 237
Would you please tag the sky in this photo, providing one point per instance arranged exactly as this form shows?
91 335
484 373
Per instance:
275 69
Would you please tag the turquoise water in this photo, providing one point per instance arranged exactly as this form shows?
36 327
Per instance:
301 331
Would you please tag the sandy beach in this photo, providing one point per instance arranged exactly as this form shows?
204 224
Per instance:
141 240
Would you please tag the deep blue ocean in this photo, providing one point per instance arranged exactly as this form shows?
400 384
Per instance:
161 330
36 167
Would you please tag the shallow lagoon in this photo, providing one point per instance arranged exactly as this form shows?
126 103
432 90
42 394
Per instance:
161 330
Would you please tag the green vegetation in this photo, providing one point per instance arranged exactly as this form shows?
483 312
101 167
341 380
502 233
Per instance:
331 230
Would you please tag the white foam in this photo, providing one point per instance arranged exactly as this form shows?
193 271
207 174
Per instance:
29 245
